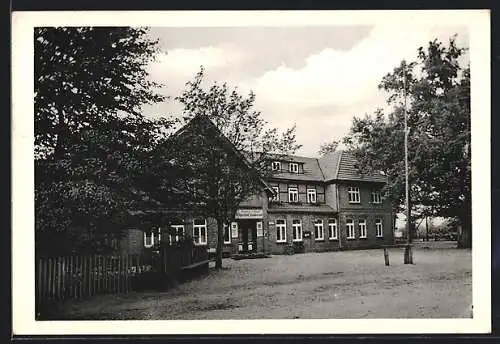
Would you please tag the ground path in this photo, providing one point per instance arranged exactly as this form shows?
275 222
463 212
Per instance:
349 284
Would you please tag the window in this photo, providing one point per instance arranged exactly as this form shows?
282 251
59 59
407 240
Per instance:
227 234
362 228
293 195
319 233
294 167
353 193
276 196
176 233
280 231
311 195
379 228
149 239
200 231
350 228
276 166
376 197
332 229
297 230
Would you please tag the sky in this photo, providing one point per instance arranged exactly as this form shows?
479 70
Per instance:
317 77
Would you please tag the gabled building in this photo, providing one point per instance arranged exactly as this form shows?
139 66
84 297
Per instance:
326 204
312 204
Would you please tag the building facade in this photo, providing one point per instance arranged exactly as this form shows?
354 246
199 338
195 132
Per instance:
316 204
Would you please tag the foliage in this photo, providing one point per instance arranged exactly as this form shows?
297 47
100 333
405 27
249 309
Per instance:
221 163
86 77
328 147
437 91
91 141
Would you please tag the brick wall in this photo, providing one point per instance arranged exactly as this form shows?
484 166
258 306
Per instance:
307 221
371 240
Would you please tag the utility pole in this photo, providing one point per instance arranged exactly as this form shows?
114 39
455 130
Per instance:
408 258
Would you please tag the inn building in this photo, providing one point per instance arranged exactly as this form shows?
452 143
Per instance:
312 204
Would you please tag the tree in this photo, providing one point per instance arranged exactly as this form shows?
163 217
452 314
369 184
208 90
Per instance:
438 91
222 175
91 140
86 77
328 147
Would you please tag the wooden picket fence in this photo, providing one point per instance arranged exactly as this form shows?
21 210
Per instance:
76 277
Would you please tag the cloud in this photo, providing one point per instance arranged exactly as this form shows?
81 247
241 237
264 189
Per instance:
182 63
333 85
340 77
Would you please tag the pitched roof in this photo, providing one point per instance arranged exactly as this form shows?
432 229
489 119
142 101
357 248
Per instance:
203 120
312 170
339 165
347 170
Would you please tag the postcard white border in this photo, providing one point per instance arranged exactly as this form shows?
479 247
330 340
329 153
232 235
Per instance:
23 182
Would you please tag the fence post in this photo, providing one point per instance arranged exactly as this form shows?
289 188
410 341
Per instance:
386 256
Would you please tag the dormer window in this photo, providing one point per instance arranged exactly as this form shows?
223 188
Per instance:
276 166
294 167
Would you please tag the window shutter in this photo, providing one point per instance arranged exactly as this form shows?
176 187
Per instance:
259 229
234 229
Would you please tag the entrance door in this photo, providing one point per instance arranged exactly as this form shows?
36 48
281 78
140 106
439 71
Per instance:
248 235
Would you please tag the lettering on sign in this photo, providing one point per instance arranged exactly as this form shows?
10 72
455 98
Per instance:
249 214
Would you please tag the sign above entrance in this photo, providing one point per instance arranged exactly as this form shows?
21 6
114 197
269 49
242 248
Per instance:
249 214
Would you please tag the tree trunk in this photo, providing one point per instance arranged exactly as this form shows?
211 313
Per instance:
426 230
220 240
60 138
465 230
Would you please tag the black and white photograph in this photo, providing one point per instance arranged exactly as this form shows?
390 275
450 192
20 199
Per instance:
252 168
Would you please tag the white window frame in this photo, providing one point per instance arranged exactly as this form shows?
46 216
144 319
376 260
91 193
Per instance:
176 228
296 230
227 230
295 168
353 194
152 234
376 197
333 229
320 229
311 195
281 228
379 228
276 166
199 239
293 191
349 224
362 229
276 197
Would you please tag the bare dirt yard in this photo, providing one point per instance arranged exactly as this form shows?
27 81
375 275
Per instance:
349 284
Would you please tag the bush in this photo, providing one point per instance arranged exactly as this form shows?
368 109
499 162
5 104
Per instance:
298 247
